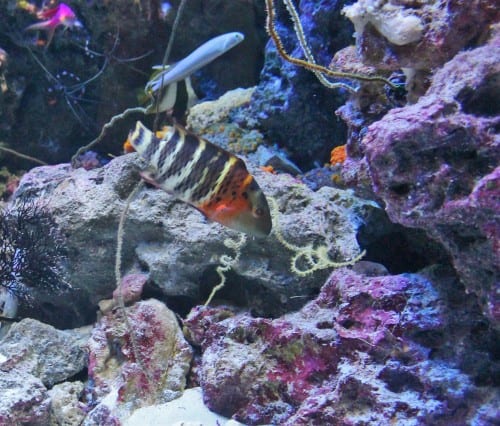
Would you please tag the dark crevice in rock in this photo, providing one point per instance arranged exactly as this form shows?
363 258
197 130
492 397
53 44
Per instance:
242 292
399 380
398 248
50 309
181 305
483 100
81 376
468 342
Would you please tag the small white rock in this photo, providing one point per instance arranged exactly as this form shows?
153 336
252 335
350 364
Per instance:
188 410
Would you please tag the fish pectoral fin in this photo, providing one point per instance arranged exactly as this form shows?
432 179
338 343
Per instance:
160 67
192 98
221 213
148 176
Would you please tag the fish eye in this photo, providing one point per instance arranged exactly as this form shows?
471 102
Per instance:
258 212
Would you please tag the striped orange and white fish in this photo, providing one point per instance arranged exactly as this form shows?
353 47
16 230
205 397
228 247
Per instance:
200 173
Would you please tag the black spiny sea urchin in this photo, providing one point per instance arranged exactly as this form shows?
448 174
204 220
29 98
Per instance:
31 251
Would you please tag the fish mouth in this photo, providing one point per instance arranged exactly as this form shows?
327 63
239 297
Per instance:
264 228
262 222
256 227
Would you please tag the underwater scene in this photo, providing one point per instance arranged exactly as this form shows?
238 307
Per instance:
249 212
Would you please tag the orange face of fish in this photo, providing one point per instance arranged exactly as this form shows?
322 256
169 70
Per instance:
244 210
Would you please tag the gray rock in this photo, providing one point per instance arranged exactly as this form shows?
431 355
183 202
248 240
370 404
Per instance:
180 248
39 349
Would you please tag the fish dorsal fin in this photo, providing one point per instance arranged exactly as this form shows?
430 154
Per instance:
161 67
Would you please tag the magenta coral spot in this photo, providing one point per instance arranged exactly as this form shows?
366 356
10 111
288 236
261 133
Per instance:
131 287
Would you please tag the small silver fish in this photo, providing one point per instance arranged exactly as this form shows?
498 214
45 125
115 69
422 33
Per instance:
169 76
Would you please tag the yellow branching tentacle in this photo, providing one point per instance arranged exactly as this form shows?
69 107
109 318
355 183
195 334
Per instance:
316 258
227 262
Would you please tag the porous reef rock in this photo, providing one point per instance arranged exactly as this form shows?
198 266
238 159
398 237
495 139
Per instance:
366 351
24 399
33 357
445 28
223 122
180 249
417 34
65 406
435 165
118 381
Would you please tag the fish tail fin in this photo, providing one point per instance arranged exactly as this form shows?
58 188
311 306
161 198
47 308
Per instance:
38 26
50 35
141 137
47 13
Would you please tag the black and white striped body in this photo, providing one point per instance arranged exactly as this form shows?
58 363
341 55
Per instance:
198 172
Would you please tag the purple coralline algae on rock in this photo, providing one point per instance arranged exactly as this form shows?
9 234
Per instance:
355 355
435 165
131 288
118 381
24 399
